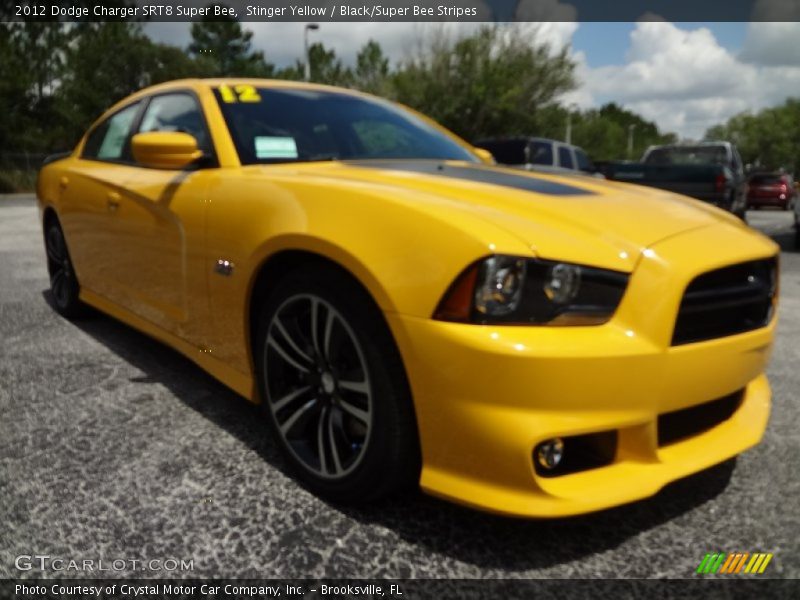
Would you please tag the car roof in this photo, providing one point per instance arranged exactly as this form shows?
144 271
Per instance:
207 83
263 82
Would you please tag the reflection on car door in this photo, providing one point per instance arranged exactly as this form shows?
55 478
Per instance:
91 190
161 225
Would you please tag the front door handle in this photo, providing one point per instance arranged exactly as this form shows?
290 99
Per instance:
112 201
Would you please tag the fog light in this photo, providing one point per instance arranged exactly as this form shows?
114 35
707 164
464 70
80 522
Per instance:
550 453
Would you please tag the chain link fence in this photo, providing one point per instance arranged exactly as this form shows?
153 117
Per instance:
18 170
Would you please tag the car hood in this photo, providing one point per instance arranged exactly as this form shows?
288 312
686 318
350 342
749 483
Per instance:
556 216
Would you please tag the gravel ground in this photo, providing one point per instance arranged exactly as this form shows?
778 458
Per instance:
112 446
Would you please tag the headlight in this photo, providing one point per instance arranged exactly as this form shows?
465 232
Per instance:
519 291
500 289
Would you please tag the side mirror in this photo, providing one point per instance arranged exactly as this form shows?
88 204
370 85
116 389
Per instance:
485 156
165 149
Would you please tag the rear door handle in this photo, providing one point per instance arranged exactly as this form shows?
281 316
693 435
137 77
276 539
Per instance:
63 182
112 200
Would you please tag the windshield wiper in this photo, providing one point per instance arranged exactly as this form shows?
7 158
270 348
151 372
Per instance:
305 159
317 158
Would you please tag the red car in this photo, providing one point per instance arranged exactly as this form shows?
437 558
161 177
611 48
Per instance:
770 189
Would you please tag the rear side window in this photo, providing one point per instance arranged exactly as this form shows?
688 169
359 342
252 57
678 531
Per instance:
176 112
584 164
541 153
766 180
108 141
565 158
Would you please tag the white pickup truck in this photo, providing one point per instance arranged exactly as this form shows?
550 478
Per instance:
538 154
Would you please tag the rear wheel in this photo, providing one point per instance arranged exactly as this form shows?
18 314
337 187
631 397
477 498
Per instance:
64 286
334 389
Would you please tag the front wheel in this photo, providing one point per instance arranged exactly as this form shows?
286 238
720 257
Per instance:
334 390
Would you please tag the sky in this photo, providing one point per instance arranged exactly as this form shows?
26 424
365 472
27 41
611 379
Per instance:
686 77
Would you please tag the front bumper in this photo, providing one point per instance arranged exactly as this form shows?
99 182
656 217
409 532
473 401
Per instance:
485 396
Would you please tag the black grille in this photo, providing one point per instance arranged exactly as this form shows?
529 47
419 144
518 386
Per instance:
681 424
727 301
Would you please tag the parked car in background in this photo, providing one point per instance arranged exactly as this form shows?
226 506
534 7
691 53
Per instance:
538 154
770 189
708 171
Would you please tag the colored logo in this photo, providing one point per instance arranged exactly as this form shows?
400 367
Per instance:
720 563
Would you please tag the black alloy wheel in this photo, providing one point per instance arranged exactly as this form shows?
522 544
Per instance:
334 390
319 394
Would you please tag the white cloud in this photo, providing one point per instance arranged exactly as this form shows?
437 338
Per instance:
685 81
555 33
665 62
582 96
282 43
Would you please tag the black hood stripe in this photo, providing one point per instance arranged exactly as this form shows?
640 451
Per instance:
479 174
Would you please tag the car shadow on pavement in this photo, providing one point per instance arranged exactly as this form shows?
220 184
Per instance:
473 537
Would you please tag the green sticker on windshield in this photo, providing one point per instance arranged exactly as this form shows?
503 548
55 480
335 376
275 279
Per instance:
275 147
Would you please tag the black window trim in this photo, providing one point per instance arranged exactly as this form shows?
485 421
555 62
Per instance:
207 162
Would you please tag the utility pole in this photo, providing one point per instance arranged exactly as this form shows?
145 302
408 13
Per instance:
568 135
306 29
631 129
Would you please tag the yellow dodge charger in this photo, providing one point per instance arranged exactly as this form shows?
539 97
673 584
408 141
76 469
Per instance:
409 314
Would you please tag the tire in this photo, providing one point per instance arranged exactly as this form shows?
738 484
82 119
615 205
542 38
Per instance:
797 237
64 286
334 389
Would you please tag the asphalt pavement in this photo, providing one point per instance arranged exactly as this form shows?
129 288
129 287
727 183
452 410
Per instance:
114 447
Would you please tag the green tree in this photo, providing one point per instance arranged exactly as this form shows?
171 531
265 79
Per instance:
372 69
31 67
604 133
495 82
769 139
109 61
223 49
326 68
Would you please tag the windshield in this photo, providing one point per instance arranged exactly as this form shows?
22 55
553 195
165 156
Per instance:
766 180
688 155
290 125
542 153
